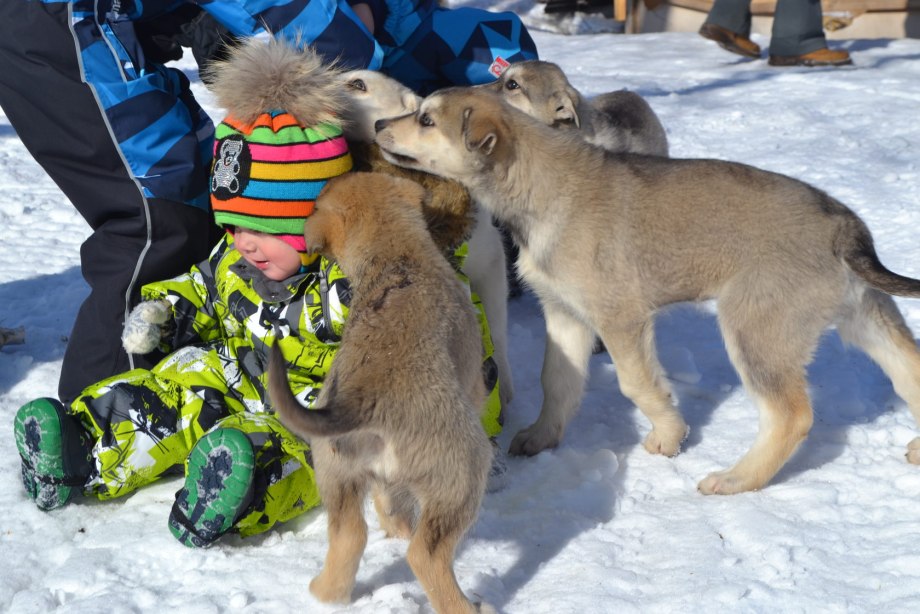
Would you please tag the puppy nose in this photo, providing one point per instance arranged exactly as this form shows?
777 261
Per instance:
380 124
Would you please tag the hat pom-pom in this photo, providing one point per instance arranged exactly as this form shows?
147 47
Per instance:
271 73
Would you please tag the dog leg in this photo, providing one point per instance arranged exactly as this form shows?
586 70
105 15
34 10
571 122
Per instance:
565 367
431 556
485 268
772 367
395 511
785 419
347 539
877 327
642 380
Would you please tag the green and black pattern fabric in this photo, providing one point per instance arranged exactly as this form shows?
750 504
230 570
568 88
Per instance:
226 316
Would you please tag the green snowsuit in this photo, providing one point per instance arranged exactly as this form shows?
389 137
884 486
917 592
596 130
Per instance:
226 315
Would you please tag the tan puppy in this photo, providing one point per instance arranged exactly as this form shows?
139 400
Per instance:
399 411
373 96
606 240
617 121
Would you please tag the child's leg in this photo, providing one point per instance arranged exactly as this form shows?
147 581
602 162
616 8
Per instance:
145 422
137 425
492 416
273 463
131 425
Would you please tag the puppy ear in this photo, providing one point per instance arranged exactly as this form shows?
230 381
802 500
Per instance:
479 132
566 104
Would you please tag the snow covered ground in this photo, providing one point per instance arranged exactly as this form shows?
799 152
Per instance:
597 525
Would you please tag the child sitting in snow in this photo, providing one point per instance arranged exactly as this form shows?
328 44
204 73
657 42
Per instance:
205 404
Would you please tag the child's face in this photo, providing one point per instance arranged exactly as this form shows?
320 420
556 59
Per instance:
276 259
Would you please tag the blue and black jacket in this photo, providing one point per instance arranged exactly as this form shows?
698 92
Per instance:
163 134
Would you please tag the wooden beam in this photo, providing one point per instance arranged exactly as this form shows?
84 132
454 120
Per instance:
768 7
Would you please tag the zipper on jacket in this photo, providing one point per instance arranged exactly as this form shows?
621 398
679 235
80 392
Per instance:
324 301
109 28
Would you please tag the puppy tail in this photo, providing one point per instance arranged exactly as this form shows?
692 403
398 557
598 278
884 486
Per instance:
305 422
855 245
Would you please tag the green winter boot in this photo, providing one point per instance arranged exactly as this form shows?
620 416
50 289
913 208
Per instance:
56 452
218 488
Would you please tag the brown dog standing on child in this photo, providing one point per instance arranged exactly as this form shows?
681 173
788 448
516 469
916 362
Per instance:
399 412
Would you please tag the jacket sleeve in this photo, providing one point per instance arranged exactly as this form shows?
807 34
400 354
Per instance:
164 135
198 316
329 26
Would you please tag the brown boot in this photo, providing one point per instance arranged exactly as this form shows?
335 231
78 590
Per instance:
821 57
728 40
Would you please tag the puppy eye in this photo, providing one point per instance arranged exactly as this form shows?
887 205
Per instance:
358 84
425 120
511 84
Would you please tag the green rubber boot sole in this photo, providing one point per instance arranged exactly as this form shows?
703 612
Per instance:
54 456
218 488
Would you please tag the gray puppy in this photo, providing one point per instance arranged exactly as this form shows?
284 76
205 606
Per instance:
399 410
608 239
619 121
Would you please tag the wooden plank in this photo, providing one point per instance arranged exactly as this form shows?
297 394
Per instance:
696 5
768 7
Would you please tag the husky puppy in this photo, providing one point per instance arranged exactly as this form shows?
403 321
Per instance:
604 247
619 121
399 411
373 96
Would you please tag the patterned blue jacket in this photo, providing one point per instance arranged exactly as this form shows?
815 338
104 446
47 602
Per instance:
164 135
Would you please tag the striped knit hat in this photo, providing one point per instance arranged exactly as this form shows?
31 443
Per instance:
266 175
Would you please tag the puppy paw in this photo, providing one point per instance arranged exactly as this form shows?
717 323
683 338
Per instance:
723 483
533 440
331 590
913 452
666 441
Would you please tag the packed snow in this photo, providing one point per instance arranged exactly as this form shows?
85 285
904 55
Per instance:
597 525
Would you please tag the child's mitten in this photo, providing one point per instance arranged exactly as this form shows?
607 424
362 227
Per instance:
146 327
